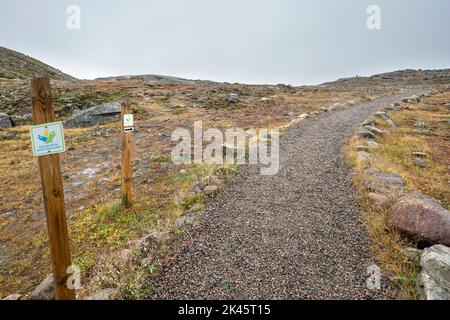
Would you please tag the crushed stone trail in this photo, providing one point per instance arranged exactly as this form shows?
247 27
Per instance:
295 235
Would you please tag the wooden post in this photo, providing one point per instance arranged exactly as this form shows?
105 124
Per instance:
50 169
127 176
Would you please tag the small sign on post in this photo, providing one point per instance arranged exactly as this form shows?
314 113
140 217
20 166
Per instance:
127 129
48 140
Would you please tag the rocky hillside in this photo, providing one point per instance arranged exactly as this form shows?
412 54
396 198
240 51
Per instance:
398 78
15 65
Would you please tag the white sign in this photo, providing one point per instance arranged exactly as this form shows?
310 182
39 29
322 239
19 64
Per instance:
128 120
47 139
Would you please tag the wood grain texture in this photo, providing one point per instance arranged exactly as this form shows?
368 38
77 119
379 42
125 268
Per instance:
127 176
53 192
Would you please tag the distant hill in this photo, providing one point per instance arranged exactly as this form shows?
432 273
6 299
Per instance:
397 78
15 65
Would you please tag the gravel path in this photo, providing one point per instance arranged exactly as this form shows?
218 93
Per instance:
295 235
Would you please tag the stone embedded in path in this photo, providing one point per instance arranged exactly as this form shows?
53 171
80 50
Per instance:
423 219
434 280
95 115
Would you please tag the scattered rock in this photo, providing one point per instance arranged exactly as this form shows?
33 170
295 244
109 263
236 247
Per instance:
13 297
386 183
332 108
323 109
374 130
378 201
419 124
232 98
392 179
366 134
419 154
369 122
415 98
197 187
211 190
100 131
45 290
351 103
303 116
420 163
382 114
391 123
95 115
5 121
106 294
9 214
420 217
434 280
362 148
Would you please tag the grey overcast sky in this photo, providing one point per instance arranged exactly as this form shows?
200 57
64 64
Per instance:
249 41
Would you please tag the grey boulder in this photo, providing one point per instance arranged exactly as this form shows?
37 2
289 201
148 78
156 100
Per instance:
45 290
5 121
95 115
434 280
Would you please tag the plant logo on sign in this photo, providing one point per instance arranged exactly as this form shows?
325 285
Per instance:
47 138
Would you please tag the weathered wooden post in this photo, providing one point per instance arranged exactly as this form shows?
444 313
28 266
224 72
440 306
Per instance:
127 129
50 170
